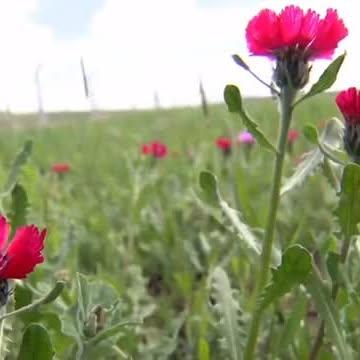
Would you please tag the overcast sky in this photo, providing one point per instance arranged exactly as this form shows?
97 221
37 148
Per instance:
132 48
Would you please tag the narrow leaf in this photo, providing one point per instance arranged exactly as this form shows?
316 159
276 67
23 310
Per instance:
19 206
327 309
228 310
331 137
20 160
311 133
36 344
233 100
294 269
348 211
209 185
327 78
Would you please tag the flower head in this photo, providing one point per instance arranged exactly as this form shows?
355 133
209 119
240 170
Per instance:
348 102
60 168
23 253
146 149
293 135
294 37
246 138
224 143
156 149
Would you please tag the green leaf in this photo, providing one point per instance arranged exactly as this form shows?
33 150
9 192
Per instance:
326 80
20 160
19 207
332 264
233 100
331 138
36 344
311 133
228 309
294 269
321 295
112 331
203 350
292 325
348 210
209 185
83 300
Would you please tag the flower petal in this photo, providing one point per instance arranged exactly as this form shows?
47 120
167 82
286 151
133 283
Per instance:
330 32
309 28
24 252
4 232
290 22
262 33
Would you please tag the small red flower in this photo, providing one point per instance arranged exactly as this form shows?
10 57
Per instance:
60 168
271 34
146 149
158 149
348 102
293 135
19 258
224 143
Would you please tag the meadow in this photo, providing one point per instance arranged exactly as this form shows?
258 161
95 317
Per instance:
135 243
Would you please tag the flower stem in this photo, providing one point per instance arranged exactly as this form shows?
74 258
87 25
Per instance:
286 107
50 297
321 331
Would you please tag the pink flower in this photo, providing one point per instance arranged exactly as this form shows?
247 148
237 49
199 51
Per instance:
293 38
60 168
19 258
158 149
348 102
246 138
293 135
146 149
271 34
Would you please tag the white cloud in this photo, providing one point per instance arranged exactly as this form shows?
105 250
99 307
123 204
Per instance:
135 47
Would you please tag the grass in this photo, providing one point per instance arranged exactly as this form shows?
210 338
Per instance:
137 228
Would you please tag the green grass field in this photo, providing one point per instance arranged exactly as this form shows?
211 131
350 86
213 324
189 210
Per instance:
140 232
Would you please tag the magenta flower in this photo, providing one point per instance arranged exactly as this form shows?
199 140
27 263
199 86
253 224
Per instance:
270 34
293 38
348 102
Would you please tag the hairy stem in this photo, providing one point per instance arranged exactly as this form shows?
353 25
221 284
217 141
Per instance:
286 107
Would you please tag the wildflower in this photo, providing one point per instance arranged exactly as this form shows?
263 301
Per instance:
348 102
293 38
245 138
60 168
293 136
146 149
224 144
156 149
18 258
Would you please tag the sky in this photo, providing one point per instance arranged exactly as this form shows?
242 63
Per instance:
134 48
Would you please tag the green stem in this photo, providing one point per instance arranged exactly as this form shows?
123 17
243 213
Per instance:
286 103
50 297
321 331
